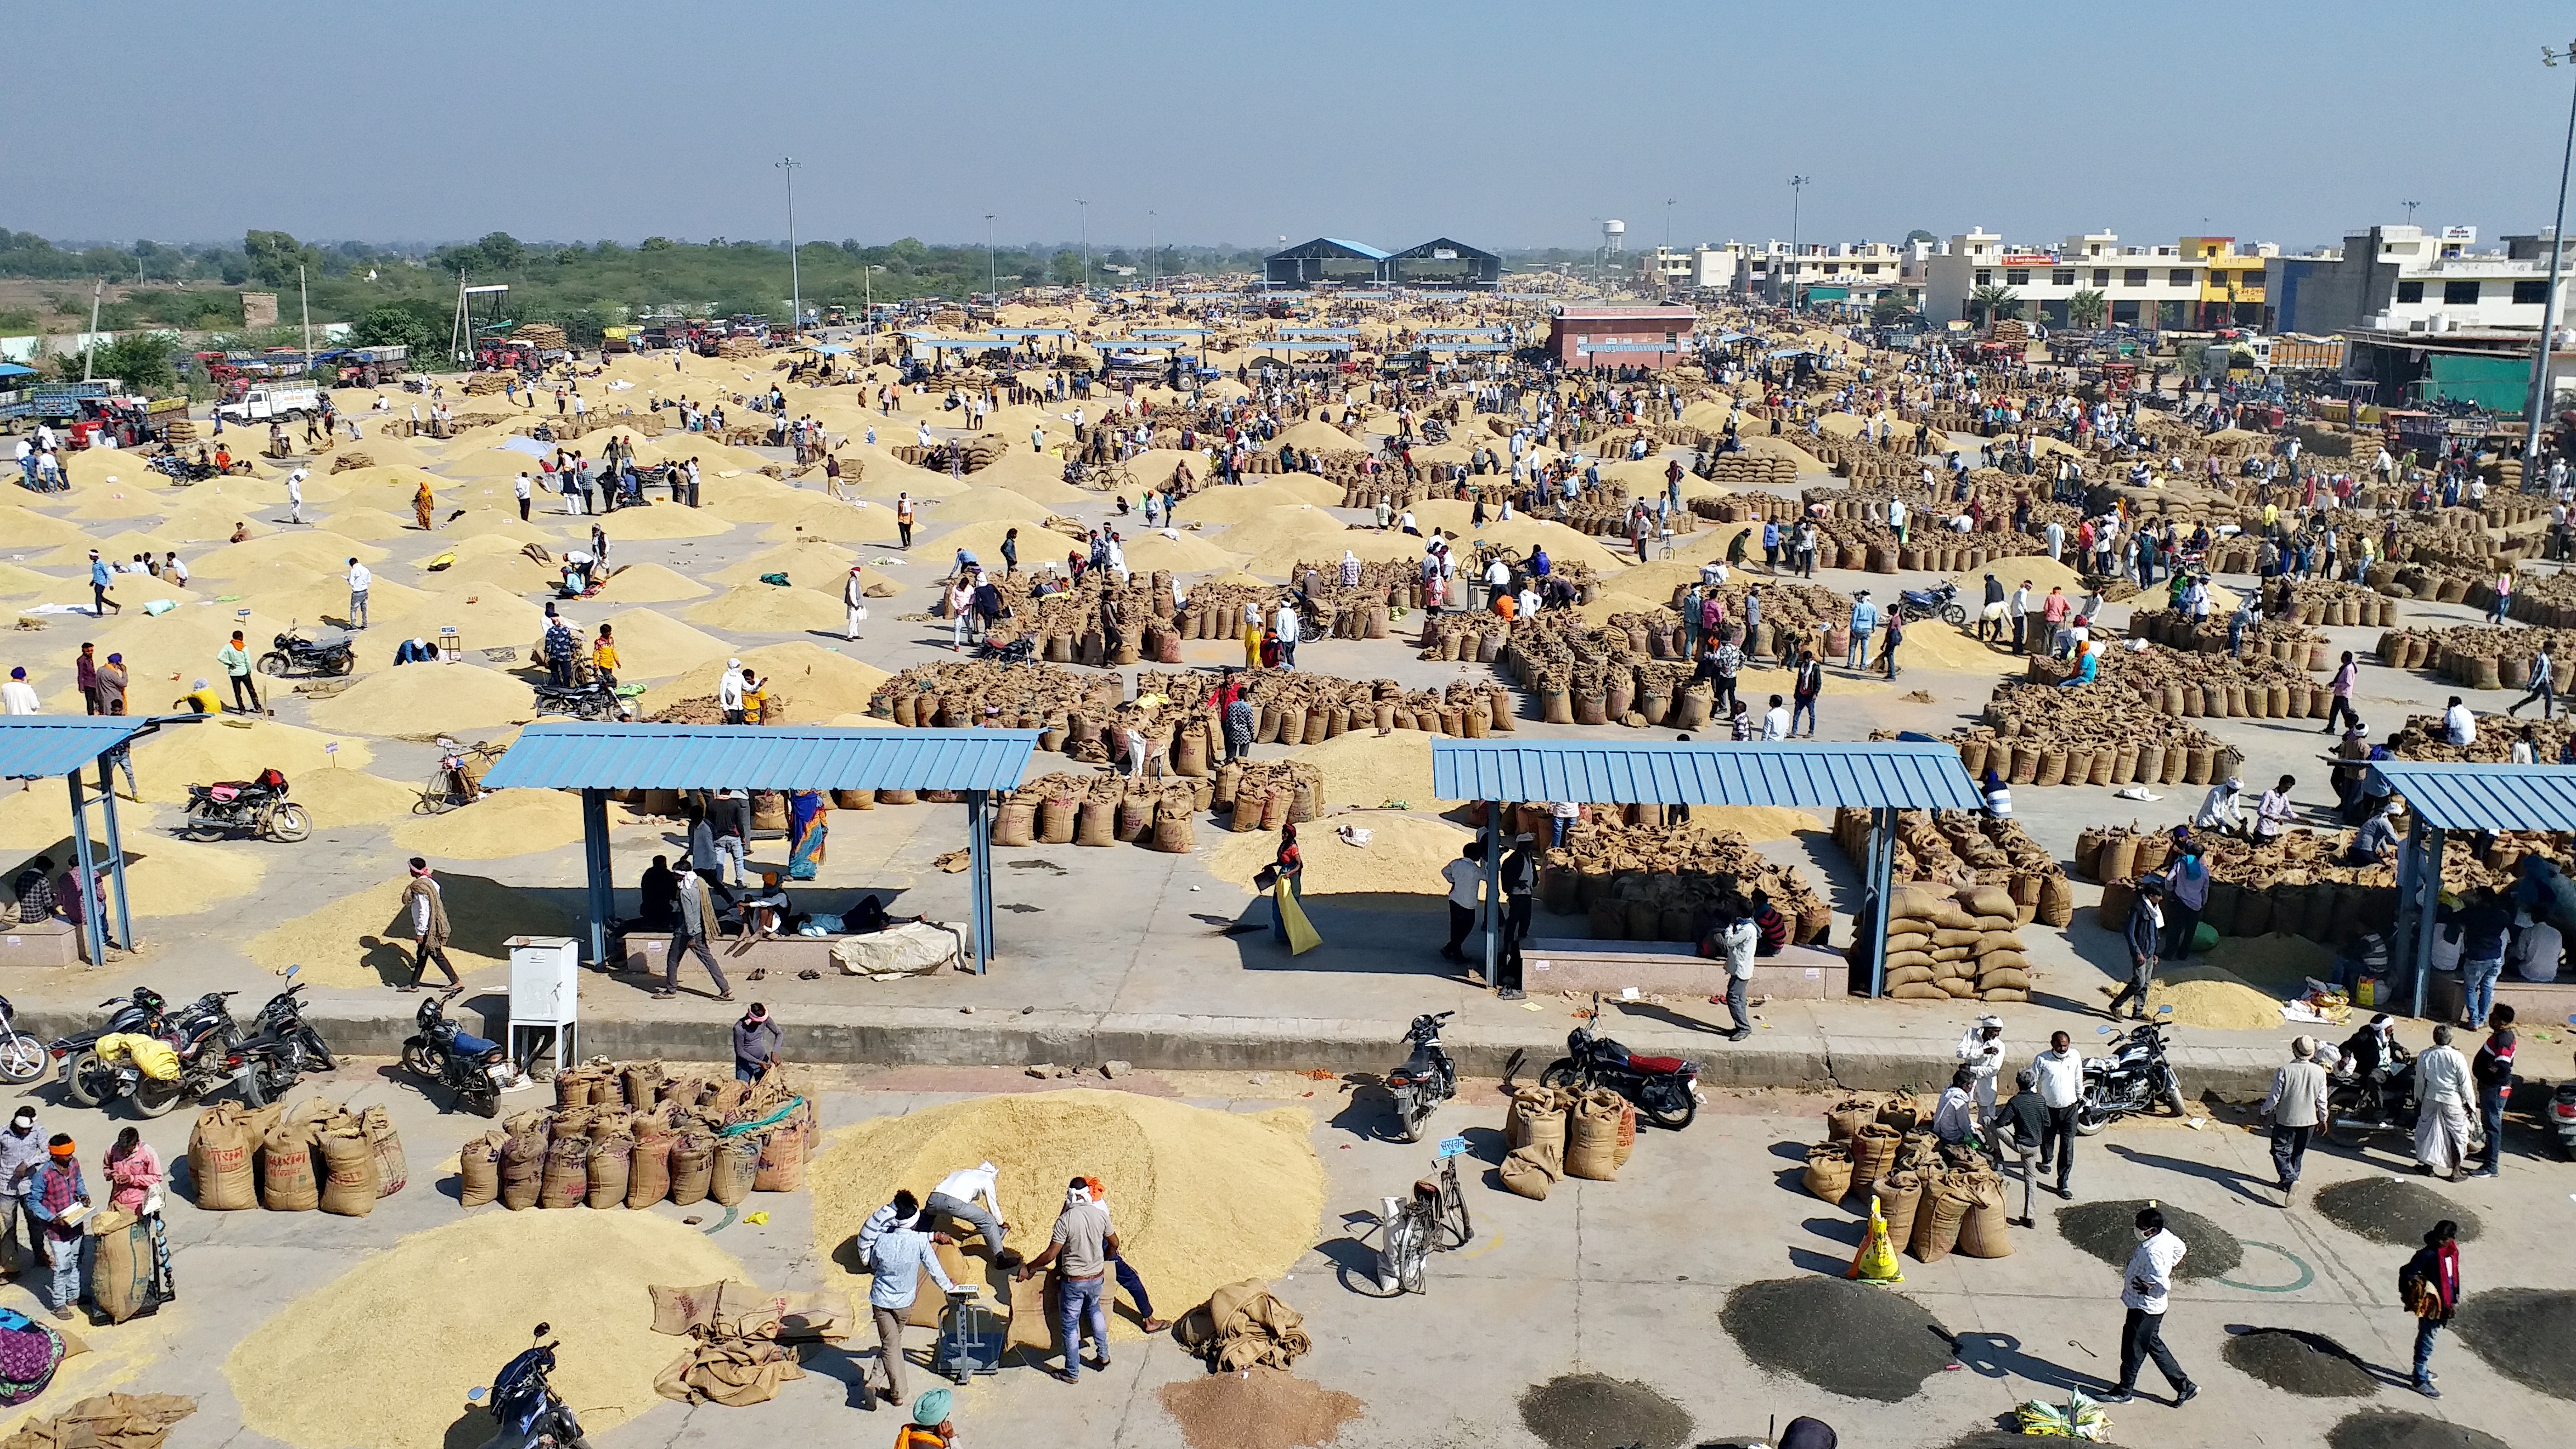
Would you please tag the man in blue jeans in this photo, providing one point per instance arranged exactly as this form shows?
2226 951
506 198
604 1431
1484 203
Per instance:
1864 622
2484 925
1080 1251
2492 1070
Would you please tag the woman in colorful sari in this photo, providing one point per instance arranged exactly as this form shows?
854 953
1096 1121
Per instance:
134 1176
805 827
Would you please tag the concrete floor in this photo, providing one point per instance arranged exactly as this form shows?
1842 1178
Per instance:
1625 1279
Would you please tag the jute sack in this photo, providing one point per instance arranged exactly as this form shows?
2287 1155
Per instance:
1937 1220
392 1168
737 1163
1537 1115
1898 1197
606 1166
1527 1171
478 1170
527 1124
648 1171
567 1179
781 1164
1848 1116
928 1301
219 1159
120 1270
1592 1140
286 1181
693 1157
1901 1112
1829 1171
643 1081
523 1170
1987 1230
1626 1141
349 1172
1873 1152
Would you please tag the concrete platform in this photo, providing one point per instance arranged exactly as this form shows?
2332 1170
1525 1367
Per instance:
1560 964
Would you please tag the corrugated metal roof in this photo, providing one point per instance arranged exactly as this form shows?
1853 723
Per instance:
33 746
2485 797
706 757
1908 776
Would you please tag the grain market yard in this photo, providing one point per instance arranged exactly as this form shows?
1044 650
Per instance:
1626 1280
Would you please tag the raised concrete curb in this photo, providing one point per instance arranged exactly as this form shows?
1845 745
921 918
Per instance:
926 1036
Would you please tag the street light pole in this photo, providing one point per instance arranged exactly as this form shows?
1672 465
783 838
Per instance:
1797 184
1153 263
2535 411
795 284
992 279
1084 209
1663 261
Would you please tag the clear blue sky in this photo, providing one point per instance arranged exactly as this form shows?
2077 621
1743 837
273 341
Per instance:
1501 123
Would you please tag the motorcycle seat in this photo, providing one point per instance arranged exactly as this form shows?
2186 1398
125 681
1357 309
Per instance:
225 792
468 1044
1656 1065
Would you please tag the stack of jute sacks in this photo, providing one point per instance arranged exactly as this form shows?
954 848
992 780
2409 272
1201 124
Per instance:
1555 1132
634 1135
1936 1200
296 1157
1945 944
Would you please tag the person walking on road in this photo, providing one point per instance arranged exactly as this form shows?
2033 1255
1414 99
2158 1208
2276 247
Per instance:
755 1044
1981 1051
2431 1281
1080 1250
2541 684
2018 1129
690 932
2442 1120
1737 937
427 907
897 1259
2145 939
2142 1334
101 579
2061 1089
1466 877
854 599
2346 675
2296 1105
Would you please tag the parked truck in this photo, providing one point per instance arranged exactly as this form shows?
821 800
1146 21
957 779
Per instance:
265 402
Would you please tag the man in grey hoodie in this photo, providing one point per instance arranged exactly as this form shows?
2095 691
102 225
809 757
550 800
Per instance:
755 1044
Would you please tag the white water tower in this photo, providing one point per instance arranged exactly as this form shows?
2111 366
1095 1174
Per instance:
1613 236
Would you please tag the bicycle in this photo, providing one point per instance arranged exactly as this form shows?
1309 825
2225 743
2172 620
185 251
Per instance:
1413 1229
457 779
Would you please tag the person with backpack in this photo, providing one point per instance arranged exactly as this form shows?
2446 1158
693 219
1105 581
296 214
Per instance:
2429 1286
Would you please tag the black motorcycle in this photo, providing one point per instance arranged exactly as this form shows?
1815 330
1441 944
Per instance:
592 701
1665 1089
2134 1080
282 1046
455 1058
528 1411
2358 1106
202 1034
257 808
1427 1078
294 652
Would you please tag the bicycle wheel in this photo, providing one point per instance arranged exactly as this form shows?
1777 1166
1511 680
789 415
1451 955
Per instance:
1408 1250
1453 1205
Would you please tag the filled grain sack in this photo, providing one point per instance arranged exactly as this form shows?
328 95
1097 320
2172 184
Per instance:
1848 1116
781 1162
1937 1220
219 1159
523 1170
1986 1232
120 1273
349 1172
1592 1139
1873 1152
648 1171
567 1176
1529 1171
1829 1171
737 1165
287 1182
478 1170
393 1170
606 1167
693 1156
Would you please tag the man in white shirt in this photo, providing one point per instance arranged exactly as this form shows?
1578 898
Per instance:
19 697
2061 1087
1498 577
2459 724
854 599
295 496
729 691
1775 720
2223 808
359 579
1284 625
1466 878
967 1195
2272 813
2142 1335
525 492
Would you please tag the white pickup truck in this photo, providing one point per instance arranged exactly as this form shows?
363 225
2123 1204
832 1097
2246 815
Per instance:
262 404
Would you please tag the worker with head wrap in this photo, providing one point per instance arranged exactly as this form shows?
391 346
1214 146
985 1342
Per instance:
931 1427
1981 1051
52 1192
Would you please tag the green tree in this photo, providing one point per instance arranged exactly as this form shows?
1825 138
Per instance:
2087 308
275 257
502 252
657 244
141 359
1990 302
398 324
1066 268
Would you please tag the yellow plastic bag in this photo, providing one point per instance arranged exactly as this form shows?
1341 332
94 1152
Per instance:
1301 932
1876 1260
152 1056
443 561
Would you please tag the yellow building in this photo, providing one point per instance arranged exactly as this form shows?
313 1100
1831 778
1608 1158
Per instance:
2231 282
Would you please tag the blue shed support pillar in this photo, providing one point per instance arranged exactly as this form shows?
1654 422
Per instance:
115 850
979 846
93 917
1493 839
602 879
2418 907
1875 892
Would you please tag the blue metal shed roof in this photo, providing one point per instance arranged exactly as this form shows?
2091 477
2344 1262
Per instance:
1363 248
706 757
1906 776
1319 332
2485 797
33 746
1305 344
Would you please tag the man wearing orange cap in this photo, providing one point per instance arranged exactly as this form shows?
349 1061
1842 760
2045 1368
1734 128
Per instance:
52 1191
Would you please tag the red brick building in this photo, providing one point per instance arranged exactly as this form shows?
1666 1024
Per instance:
1623 333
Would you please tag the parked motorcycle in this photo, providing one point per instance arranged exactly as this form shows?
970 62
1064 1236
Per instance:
1940 603
323 652
2359 1107
247 807
282 1046
2562 1113
1665 1089
22 1057
141 1011
2134 1080
531 1415
1427 1078
454 1058
594 700
208 1045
